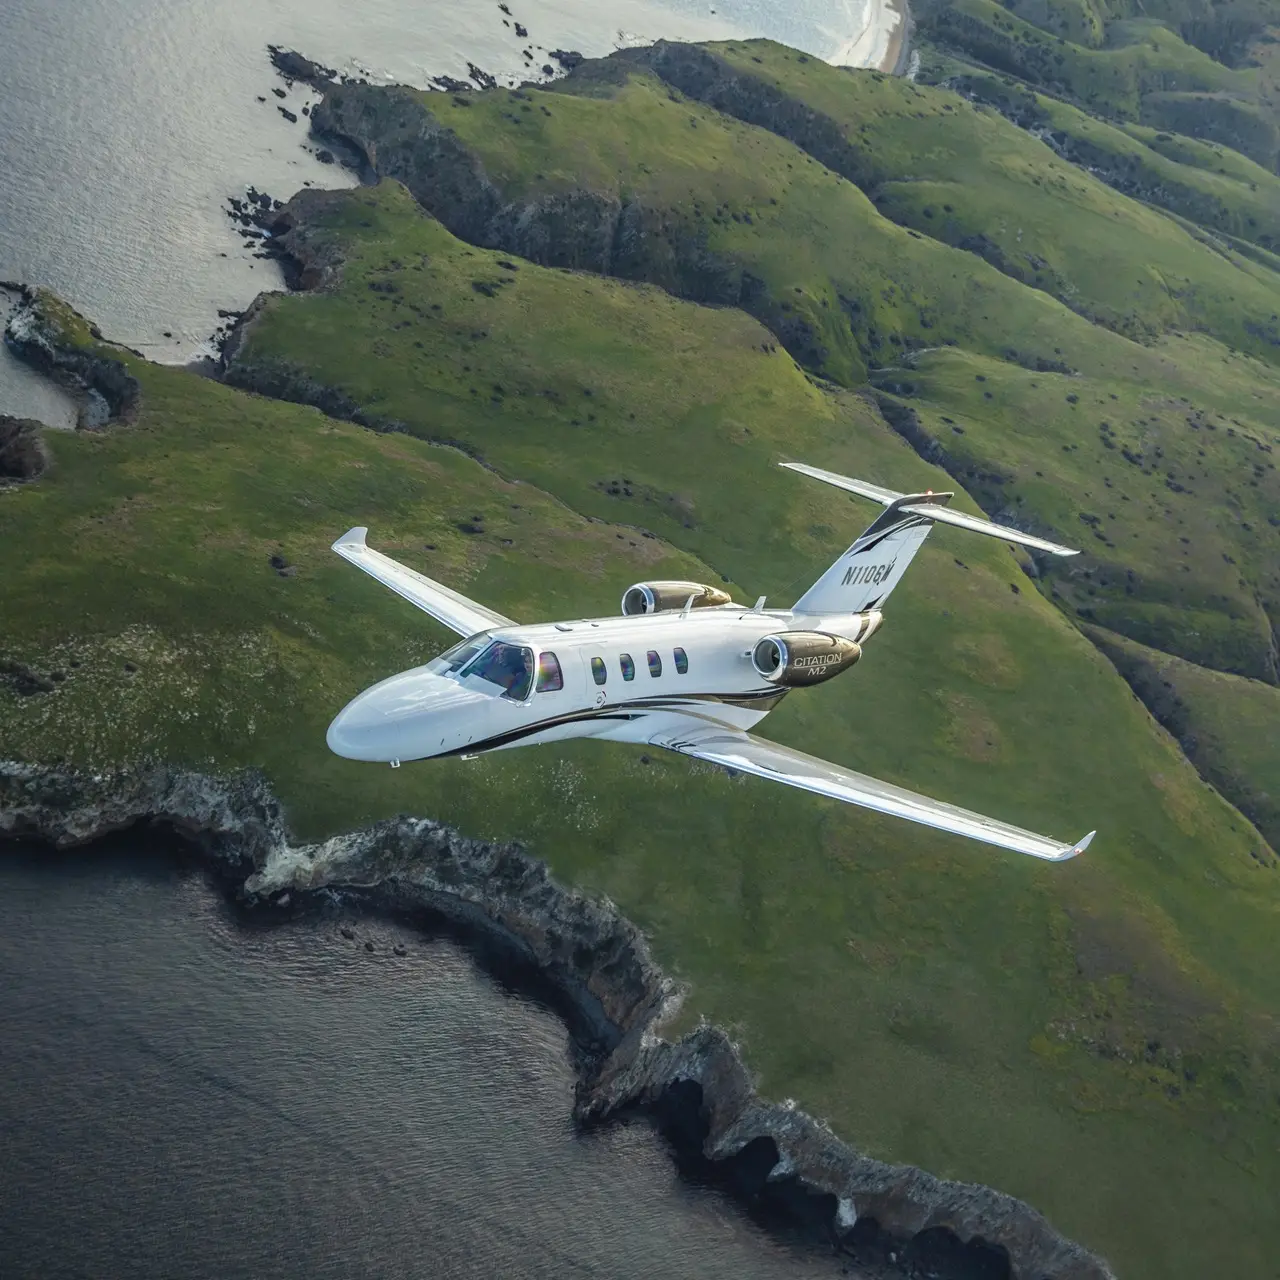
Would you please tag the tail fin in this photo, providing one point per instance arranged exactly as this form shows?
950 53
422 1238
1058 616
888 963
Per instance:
863 577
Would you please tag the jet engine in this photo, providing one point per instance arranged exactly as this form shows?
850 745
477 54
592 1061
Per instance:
652 597
794 659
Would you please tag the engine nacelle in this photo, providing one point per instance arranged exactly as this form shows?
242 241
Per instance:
652 597
793 659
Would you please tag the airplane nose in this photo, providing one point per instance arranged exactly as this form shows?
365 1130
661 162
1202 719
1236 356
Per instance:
355 733
402 718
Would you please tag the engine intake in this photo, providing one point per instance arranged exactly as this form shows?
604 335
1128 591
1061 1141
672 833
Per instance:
794 659
653 597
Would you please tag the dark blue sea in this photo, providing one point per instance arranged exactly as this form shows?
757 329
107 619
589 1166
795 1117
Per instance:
185 1093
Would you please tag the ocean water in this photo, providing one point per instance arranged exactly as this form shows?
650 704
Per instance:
183 1094
126 124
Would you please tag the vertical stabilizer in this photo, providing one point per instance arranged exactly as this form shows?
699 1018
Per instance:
863 577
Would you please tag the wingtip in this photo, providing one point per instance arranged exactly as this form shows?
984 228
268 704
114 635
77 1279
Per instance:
1082 845
353 539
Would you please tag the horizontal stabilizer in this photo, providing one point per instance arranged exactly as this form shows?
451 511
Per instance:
930 509
445 605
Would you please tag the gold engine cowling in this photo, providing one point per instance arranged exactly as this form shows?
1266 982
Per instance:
794 659
651 597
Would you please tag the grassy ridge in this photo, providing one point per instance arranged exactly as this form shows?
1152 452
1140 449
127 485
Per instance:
1207 183
967 177
1175 503
1140 71
1229 727
847 288
939 1003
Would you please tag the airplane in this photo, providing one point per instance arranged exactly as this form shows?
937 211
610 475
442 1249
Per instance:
683 667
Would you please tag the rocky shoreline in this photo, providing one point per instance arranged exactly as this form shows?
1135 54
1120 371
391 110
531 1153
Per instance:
105 390
615 996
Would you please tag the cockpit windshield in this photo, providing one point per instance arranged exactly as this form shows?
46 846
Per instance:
509 666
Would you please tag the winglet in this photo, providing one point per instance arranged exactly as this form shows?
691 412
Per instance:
1077 848
352 540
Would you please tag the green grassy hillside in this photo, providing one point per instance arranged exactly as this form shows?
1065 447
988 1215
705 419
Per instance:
708 205
1206 183
1071 1034
958 173
1177 506
1229 727
1131 69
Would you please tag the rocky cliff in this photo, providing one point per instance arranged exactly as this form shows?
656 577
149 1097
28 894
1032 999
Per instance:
601 966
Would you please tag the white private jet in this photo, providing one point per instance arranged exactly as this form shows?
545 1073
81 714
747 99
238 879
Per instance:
683 668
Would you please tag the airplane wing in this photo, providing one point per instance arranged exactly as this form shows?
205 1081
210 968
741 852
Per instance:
464 616
742 751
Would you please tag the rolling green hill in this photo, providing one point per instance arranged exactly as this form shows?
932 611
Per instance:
580 374
1205 183
1128 69
618 172
938 1003
1229 727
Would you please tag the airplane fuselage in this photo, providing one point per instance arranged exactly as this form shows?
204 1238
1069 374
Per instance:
617 678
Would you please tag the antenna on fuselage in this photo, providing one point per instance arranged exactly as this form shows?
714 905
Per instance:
758 607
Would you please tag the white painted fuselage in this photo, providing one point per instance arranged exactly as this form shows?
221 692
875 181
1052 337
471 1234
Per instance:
618 678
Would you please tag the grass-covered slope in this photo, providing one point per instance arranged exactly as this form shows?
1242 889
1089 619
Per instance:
628 179
1206 183
1177 505
963 175
1135 69
1069 1037
617 173
1229 727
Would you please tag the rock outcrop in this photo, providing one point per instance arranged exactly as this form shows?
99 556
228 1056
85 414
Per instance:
601 966
107 391
23 452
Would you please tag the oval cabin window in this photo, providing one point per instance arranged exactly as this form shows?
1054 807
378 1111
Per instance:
682 662
655 663
550 677
628 667
599 672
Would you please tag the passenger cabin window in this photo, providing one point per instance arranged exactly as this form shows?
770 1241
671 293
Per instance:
655 663
682 662
628 667
599 672
550 677
509 666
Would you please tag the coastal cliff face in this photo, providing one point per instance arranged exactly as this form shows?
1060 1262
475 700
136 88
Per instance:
602 231
600 965
107 391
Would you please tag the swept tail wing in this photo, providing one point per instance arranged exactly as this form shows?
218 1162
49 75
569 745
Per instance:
930 507
464 616
745 752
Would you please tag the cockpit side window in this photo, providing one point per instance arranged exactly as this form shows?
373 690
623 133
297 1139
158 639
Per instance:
550 677
456 658
509 666
655 663
627 665
599 672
